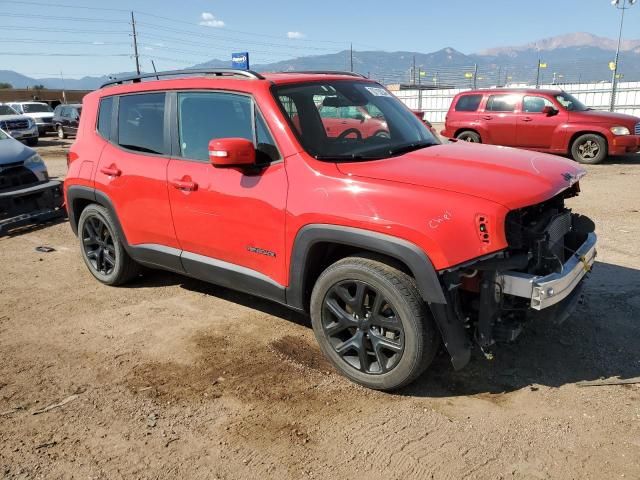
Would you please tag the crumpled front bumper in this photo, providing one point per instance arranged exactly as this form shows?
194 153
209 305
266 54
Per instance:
548 290
28 204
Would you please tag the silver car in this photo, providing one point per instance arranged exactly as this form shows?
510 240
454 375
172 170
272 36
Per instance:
18 126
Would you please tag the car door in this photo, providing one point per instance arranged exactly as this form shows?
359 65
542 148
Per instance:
227 215
534 128
499 119
132 170
73 120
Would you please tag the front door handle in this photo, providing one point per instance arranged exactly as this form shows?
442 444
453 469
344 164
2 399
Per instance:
111 171
527 119
184 185
487 117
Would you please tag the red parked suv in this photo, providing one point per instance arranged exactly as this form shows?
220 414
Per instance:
550 121
393 243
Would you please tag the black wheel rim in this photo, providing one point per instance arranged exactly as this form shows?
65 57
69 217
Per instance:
363 327
98 245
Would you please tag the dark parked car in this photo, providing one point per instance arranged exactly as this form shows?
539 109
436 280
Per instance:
27 194
66 119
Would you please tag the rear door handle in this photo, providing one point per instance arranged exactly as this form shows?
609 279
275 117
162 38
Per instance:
111 171
527 119
184 185
487 117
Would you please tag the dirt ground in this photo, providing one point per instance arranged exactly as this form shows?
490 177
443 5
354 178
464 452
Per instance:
174 378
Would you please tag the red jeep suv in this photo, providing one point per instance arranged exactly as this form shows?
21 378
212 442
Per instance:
393 243
550 121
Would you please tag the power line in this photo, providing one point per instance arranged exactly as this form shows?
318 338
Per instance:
50 17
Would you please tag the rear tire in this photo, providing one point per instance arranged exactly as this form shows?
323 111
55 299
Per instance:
589 148
372 323
469 136
102 247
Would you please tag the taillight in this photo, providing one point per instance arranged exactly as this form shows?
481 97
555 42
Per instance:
71 156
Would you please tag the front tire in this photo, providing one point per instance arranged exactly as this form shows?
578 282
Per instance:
372 323
102 248
589 148
61 134
469 136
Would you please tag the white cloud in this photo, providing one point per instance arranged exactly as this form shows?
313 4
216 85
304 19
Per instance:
148 48
209 20
98 43
295 35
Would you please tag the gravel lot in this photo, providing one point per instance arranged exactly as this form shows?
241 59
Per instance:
174 378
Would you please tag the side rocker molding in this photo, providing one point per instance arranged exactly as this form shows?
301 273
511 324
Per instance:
402 250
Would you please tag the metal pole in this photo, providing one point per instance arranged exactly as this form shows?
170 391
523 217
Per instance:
614 76
419 89
135 44
538 75
351 56
475 76
154 69
499 75
413 71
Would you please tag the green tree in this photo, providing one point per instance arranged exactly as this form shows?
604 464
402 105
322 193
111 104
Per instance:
39 87
5 85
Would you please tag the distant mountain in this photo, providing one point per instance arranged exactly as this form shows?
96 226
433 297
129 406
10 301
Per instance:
570 58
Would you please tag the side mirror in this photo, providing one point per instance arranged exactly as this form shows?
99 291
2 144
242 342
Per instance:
549 111
359 117
232 152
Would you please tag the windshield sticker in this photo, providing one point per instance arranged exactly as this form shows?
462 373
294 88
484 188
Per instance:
378 92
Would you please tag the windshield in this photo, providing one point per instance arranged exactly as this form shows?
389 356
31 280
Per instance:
36 108
3 136
351 120
7 110
570 102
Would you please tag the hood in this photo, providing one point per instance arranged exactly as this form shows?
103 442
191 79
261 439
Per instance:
12 151
595 116
40 115
13 117
513 178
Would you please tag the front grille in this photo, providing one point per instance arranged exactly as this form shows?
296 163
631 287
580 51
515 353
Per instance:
637 130
16 177
15 124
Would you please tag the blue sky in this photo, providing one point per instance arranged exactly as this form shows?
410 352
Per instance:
194 31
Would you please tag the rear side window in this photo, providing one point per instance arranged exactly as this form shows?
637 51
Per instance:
141 122
468 103
104 117
501 103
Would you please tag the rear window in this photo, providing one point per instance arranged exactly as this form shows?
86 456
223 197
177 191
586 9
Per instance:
104 117
141 123
468 103
502 103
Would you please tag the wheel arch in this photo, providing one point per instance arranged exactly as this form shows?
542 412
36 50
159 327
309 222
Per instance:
574 136
467 129
317 246
79 197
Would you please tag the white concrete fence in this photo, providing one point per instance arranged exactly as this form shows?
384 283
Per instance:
435 103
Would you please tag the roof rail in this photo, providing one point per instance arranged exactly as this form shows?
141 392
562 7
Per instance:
325 72
210 71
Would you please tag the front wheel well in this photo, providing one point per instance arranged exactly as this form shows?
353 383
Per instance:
575 136
324 254
466 129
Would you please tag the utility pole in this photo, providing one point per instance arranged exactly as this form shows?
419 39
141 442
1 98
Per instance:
135 44
64 95
413 71
154 69
351 55
499 75
419 88
614 76
475 76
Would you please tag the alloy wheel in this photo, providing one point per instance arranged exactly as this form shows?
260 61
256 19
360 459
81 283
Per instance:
98 245
589 149
363 327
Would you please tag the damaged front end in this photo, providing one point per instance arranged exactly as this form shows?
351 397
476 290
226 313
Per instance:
538 277
25 198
